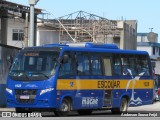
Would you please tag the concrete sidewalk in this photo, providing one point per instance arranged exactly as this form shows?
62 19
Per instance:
7 109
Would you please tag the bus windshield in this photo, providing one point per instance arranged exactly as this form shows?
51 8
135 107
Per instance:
34 65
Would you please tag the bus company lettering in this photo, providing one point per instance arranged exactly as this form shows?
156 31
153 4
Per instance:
108 84
89 101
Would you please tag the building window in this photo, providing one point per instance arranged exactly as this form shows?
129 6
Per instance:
17 35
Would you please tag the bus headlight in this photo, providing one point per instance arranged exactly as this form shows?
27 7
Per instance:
46 90
9 90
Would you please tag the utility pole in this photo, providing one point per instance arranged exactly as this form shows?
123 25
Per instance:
26 31
32 4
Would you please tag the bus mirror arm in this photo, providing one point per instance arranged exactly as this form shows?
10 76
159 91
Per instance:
10 60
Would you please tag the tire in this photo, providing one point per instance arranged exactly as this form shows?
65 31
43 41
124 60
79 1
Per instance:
84 112
123 107
65 108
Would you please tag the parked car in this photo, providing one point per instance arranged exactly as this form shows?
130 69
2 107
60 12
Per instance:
155 95
158 93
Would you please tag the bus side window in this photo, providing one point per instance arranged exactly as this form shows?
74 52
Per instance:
107 66
65 68
117 69
132 65
129 65
125 65
83 67
96 65
142 65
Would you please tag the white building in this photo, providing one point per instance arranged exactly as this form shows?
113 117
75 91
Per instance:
46 34
15 32
148 42
14 23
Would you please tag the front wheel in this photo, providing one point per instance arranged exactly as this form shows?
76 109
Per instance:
65 108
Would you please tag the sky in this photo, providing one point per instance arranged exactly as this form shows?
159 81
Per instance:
146 12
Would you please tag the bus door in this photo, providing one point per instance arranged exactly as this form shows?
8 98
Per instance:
107 97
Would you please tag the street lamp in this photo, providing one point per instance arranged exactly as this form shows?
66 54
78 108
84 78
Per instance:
77 28
32 4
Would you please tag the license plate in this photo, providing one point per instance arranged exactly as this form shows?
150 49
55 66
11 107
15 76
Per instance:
24 97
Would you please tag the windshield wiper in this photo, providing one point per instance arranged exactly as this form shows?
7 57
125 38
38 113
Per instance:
25 75
20 73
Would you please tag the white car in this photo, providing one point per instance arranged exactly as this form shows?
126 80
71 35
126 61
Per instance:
155 96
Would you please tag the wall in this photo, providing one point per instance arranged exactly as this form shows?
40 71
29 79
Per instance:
15 24
128 35
145 48
142 37
45 36
157 68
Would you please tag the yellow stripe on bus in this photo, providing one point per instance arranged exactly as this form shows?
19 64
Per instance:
90 84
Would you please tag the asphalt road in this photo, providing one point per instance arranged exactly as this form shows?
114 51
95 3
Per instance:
147 111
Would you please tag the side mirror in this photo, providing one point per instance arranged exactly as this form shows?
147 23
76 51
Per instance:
10 60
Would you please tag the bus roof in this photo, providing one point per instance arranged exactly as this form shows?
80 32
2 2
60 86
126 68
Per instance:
89 47
120 51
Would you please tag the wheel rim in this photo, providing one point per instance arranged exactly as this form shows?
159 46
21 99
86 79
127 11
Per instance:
65 107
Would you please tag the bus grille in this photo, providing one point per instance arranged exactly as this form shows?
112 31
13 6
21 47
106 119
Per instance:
25 96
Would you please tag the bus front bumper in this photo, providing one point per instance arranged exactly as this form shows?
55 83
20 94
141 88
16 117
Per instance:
47 100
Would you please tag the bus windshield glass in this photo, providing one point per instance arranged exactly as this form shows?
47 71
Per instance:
34 65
